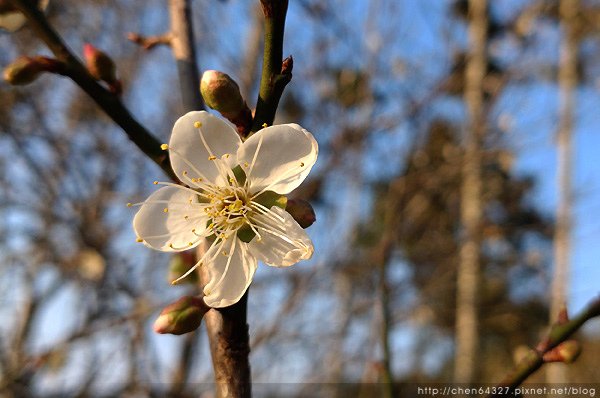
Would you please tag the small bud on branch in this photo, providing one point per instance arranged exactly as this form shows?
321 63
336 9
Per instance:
180 264
101 67
301 211
565 352
25 70
222 93
182 316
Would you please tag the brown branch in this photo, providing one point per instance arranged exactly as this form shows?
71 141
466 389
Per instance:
559 333
107 101
182 43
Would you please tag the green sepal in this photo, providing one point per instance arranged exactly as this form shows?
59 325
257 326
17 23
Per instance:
246 234
239 174
270 199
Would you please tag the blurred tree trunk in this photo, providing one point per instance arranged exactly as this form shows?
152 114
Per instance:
567 82
468 273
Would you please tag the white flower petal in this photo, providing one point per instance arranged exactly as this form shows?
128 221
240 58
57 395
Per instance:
172 230
286 153
230 273
282 243
191 147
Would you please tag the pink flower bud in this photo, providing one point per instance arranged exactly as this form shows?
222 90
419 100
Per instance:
301 211
565 352
99 64
182 316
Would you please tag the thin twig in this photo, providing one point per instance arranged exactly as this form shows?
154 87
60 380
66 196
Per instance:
107 101
149 42
535 359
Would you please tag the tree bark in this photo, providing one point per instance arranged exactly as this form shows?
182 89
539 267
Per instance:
468 273
567 81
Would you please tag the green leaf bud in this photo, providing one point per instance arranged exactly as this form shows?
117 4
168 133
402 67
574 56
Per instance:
182 316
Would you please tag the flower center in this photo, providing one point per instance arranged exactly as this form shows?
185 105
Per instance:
228 209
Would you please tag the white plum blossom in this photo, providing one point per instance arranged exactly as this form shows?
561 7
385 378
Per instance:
233 200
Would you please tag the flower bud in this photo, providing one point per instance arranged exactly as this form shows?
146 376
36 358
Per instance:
565 352
222 93
301 211
101 67
25 70
180 264
182 316
569 350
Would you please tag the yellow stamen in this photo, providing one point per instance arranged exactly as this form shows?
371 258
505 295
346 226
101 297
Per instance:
212 157
155 183
197 125
166 210
129 204
139 240
264 125
164 147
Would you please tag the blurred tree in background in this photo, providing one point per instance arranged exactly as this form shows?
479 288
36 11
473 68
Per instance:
381 84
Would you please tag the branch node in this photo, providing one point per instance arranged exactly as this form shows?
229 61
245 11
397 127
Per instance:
149 42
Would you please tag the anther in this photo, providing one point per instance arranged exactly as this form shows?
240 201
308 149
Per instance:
301 164
139 240
129 204
212 157
166 210
197 125
264 125
164 147
155 183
